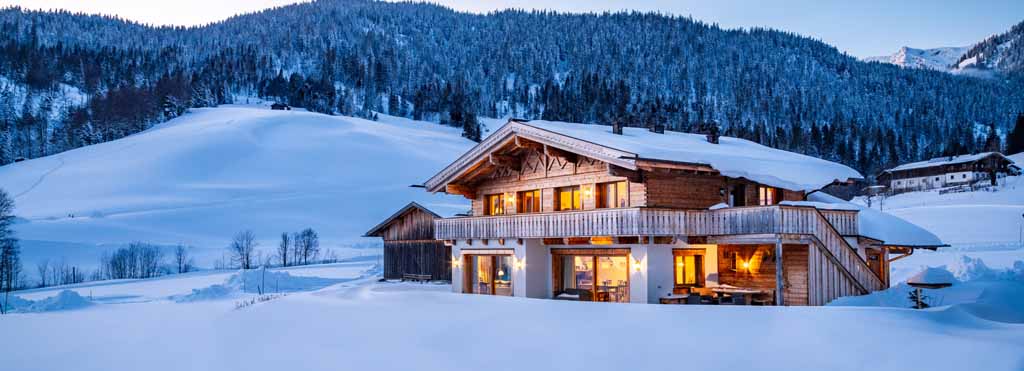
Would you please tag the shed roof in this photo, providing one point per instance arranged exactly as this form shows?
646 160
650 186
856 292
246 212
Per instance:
379 228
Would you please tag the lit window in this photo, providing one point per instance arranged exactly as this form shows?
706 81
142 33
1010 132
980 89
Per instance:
528 201
568 198
689 270
611 195
494 205
768 196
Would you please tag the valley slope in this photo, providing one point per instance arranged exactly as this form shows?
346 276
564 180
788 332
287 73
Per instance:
199 179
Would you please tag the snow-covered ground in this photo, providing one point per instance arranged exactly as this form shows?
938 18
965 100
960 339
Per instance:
982 224
199 179
358 324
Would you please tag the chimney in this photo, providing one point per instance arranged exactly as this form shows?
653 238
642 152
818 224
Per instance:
617 128
711 132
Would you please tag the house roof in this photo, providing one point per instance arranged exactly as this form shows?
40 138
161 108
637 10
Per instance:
379 228
890 229
732 157
947 160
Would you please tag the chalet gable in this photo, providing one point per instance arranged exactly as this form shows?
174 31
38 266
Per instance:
510 147
633 150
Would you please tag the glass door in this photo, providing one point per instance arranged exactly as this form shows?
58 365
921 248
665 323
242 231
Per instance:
613 279
592 278
489 274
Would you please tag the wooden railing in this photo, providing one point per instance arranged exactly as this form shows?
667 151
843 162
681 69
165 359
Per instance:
827 226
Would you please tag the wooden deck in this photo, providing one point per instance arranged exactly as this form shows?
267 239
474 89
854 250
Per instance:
823 228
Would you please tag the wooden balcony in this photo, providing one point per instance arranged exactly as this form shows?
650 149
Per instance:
644 222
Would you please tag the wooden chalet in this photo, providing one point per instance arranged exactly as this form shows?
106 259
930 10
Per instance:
589 212
410 250
948 171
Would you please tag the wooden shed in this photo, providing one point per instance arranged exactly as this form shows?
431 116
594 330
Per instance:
410 247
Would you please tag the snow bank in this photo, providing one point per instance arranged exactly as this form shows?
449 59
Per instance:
733 157
65 300
256 281
933 275
982 292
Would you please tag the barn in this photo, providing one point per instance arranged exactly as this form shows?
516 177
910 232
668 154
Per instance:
410 250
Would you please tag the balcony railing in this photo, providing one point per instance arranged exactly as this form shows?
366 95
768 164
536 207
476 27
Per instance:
641 222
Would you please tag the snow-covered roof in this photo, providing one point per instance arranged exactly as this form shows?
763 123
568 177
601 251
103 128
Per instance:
732 157
945 160
888 228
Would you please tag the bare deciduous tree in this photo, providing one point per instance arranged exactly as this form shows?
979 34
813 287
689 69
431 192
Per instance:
182 261
282 249
242 248
10 254
307 243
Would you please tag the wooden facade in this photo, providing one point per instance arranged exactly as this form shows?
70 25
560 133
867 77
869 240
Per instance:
410 247
805 255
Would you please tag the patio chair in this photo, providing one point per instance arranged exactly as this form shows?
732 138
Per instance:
693 299
725 299
739 299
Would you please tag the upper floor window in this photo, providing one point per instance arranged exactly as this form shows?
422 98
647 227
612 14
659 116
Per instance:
768 196
494 205
568 198
528 201
611 195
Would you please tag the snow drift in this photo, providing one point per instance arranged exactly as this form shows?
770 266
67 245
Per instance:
257 281
65 300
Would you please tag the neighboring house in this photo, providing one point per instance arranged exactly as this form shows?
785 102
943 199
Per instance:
948 171
410 250
580 212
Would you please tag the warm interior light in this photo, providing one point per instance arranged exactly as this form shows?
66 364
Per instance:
746 265
636 265
501 272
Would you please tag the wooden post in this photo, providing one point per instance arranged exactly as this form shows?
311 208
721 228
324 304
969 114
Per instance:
778 272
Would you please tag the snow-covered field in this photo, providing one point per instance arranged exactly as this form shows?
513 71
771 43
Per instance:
343 321
199 179
980 225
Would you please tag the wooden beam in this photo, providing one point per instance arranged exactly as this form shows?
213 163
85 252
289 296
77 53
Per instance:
528 144
779 286
555 152
510 162
458 189
632 175
671 165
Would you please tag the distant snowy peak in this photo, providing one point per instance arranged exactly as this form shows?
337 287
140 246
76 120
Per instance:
1001 53
938 59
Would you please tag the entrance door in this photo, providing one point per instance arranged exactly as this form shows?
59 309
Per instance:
489 275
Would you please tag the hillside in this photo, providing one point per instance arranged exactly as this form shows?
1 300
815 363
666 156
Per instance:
426 62
201 178
938 59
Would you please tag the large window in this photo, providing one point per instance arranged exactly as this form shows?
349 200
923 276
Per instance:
568 198
489 274
528 201
603 276
689 268
494 205
769 196
612 195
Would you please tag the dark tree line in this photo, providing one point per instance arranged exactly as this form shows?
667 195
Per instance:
74 80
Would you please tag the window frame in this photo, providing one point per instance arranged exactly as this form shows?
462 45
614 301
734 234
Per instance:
494 209
678 281
535 204
763 191
575 198
614 189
